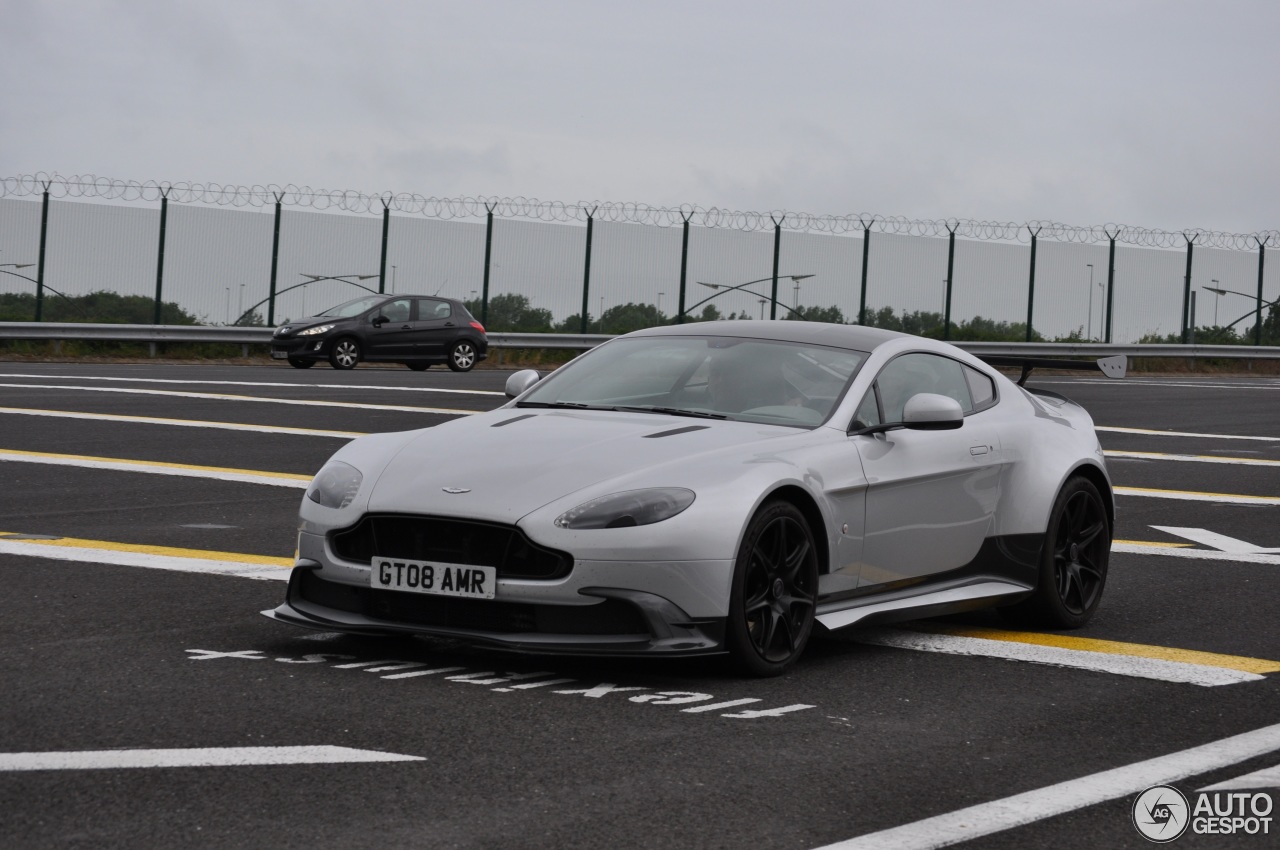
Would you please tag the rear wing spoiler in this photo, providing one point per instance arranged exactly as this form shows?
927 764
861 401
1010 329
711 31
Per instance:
1112 367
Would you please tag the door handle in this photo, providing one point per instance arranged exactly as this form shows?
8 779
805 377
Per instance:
406 327
978 451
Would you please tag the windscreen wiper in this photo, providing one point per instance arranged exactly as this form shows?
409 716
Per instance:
563 405
675 411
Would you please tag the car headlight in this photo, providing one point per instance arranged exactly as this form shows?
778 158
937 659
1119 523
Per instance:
627 509
318 329
335 485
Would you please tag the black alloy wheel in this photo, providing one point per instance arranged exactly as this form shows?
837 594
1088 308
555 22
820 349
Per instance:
1073 570
462 357
345 353
299 363
775 591
419 367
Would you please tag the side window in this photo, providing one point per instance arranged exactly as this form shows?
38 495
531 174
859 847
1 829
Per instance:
396 311
910 374
429 309
868 412
981 388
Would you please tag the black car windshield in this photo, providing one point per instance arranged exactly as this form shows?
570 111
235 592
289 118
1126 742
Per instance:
353 308
753 380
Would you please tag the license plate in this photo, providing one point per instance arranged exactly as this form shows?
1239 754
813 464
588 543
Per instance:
279 355
433 578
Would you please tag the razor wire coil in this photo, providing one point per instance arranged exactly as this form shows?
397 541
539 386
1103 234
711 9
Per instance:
87 186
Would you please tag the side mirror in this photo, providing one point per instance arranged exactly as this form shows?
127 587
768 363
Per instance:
932 412
518 383
378 321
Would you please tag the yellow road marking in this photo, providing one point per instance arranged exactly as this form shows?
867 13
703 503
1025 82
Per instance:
1196 496
190 423
288 476
1110 647
162 551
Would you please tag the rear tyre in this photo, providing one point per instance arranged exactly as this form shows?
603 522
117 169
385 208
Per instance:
775 591
298 363
462 357
345 354
1073 567
419 367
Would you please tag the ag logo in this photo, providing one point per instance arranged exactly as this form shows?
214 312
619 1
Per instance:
1161 813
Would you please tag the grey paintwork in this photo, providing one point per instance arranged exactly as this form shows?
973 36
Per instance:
894 505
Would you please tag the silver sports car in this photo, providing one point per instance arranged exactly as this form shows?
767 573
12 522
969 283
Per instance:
712 488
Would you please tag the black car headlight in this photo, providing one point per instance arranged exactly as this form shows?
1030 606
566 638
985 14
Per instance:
628 509
318 329
335 485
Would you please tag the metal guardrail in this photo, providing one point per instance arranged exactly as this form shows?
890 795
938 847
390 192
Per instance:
582 342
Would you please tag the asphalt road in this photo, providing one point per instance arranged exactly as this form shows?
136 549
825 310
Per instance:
107 647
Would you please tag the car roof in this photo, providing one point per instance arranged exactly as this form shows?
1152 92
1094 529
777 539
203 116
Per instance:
856 337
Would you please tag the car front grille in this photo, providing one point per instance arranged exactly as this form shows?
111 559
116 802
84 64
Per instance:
610 617
450 541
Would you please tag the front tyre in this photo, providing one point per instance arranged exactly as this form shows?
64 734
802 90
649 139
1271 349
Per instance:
775 591
345 354
462 357
1073 568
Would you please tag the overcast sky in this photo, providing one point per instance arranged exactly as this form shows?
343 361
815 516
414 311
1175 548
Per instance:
1157 114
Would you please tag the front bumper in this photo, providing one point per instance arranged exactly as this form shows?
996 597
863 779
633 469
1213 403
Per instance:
621 622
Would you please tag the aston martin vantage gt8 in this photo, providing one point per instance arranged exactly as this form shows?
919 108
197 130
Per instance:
716 488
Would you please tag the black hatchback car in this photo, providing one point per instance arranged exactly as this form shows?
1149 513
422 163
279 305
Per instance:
416 330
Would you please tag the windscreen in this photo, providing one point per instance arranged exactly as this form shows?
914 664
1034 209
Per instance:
781 383
352 308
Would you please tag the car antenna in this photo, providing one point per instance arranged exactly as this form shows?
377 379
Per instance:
442 286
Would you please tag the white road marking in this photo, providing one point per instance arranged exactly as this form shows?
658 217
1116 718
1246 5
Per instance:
252 384
1268 777
263 399
1195 554
998 815
1231 461
1214 540
1152 433
1100 662
242 477
141 559
1191 496
184 423
204 757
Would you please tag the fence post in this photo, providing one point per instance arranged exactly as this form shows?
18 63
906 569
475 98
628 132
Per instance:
684 266
586 273
386 228
777 248
275 264
44 230
866 248
1262 258
1111 277
488 256
1031 282
164 216
951 257
1186 289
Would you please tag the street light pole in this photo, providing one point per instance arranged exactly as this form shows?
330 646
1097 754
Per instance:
1216 296
1089 335
763 301
722 288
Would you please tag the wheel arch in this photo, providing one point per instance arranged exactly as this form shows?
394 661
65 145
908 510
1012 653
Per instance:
804 502
1097 478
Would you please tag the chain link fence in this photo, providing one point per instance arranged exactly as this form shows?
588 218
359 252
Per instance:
93 249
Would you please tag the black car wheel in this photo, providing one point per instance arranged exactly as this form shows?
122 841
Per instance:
345 353
419 367
775 591
298 363
1073 567
462 357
